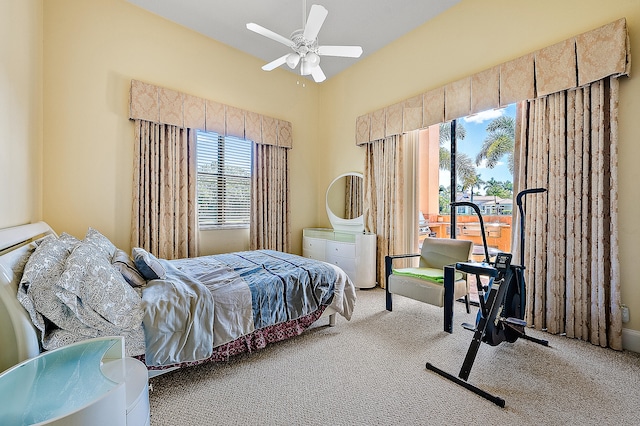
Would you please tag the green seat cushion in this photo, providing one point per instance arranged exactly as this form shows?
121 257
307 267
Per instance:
429 274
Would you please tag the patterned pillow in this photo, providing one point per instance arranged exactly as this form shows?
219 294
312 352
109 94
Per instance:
123 263
97 293
70 240
36 291
148 264
96 238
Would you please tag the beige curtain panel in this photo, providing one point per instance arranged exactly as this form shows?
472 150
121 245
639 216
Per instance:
164 220
566 65
353 197
270 226
569 145
383 204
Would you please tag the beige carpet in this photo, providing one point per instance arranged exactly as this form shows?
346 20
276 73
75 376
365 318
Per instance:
371 371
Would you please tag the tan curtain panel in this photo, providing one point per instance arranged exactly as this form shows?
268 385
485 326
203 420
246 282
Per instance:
164 220
569 145
161 105
571 63
353 197
383 206
270 215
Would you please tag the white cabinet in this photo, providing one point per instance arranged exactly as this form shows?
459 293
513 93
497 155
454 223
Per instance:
353 252
86 383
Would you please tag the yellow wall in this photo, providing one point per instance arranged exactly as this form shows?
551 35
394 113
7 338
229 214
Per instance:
20 112
92 50
66 140
474 36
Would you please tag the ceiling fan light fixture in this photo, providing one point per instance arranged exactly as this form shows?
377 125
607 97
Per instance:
292 60
312 59
305 67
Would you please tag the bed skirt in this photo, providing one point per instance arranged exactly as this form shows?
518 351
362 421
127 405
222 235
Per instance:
256 340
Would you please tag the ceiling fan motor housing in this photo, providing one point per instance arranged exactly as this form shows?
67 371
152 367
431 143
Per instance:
302 46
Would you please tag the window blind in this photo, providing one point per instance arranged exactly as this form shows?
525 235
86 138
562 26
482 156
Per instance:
224 181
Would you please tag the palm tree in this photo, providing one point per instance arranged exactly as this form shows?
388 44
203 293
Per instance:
465 168
493 187
472 182
444 198
499 142
499 189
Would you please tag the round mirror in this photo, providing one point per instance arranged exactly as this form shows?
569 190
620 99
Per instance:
344 202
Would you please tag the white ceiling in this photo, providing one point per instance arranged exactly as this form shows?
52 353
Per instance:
371 24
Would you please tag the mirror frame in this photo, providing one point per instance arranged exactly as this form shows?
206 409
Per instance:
341 224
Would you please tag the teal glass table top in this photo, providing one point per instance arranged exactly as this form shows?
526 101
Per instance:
54 383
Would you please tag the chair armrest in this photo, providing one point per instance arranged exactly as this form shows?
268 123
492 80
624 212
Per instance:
388 268
402 256
388 260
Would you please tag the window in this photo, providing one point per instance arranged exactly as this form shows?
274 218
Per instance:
484 176
224 181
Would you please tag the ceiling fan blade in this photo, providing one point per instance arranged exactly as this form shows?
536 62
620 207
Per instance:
318 75
316 18
344 51
269 34
275 63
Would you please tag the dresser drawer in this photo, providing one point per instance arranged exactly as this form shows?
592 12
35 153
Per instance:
335 248
347 264
314 248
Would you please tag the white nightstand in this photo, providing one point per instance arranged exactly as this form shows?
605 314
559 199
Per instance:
90 382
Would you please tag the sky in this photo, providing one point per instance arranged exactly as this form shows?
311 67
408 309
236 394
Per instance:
476 126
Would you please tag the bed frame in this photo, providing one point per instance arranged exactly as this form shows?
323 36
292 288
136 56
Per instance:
18 336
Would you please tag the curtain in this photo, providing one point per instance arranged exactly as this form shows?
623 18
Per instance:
384 205
164 220
353 197
411 191
270 213
568 144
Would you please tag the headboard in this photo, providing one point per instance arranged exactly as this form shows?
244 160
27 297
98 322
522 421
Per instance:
18 336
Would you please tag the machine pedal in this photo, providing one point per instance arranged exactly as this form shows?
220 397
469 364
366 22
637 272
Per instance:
468 326
516 321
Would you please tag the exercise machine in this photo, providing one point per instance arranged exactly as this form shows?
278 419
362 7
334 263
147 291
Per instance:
502 301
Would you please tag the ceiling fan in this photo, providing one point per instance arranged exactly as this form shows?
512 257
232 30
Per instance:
304 43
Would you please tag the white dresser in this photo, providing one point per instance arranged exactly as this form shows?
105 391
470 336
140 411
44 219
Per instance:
353 252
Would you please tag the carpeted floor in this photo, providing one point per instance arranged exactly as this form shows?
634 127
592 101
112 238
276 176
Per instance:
371 371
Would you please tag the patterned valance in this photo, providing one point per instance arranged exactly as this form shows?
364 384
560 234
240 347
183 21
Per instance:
572 63
166 106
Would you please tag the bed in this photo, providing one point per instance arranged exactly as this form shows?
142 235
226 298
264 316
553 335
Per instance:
56 290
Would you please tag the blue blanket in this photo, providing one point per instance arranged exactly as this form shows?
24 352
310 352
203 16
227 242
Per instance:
208 301
283 286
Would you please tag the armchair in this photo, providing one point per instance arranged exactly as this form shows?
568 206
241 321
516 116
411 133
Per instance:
427 283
